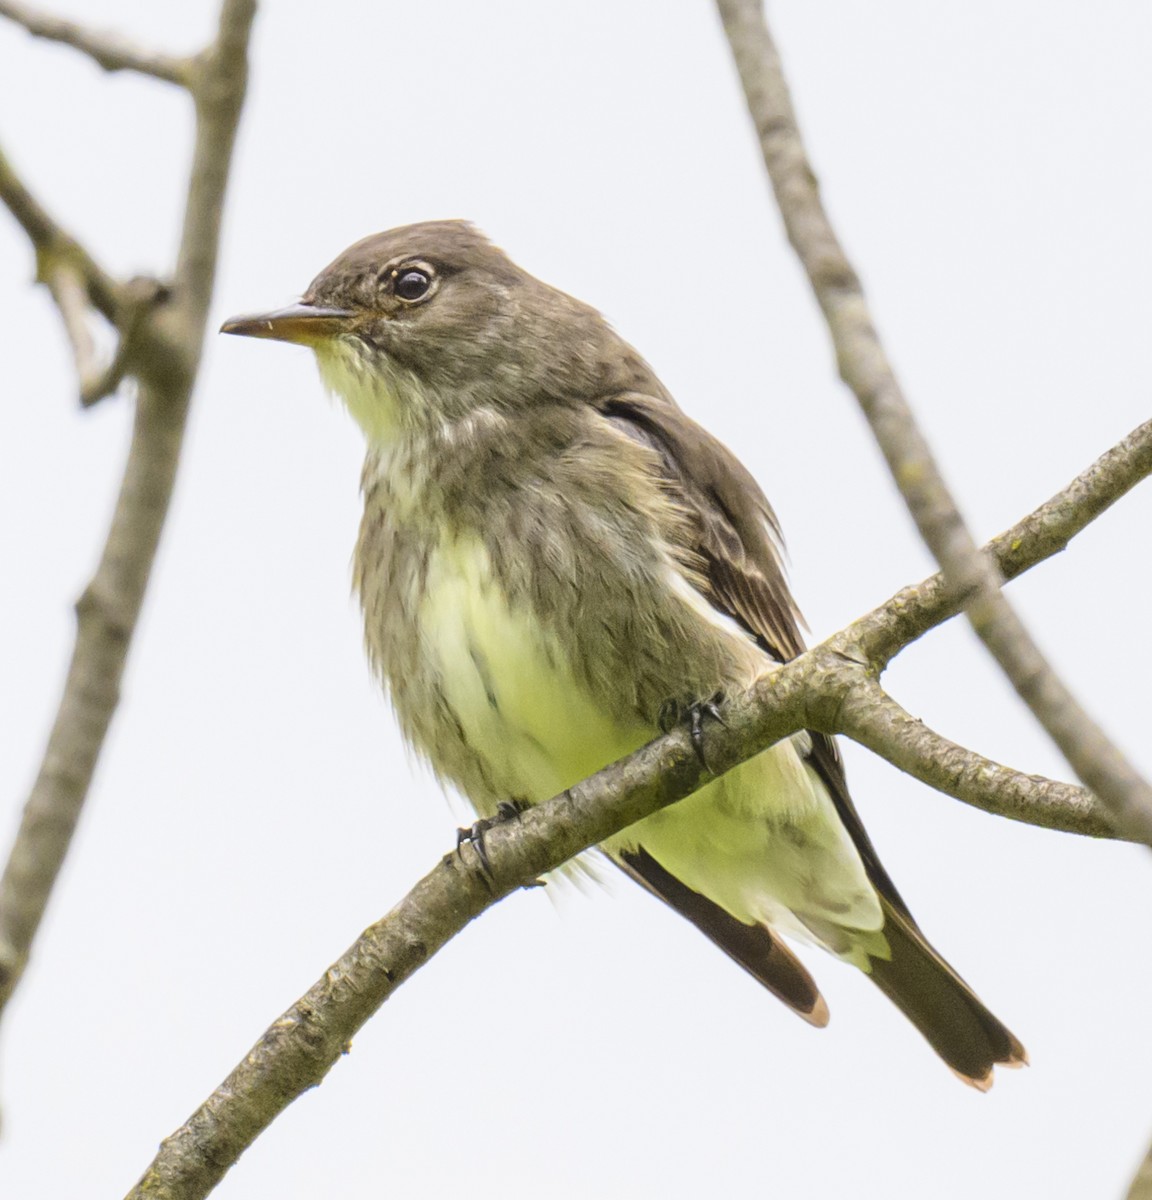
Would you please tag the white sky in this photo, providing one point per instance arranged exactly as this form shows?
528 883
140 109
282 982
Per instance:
988 167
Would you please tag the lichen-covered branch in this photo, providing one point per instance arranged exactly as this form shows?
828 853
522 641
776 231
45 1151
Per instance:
161 335
864 367
107 50
831 687
870 716
301 1046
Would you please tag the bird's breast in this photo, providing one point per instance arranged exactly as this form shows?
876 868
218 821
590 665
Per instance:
507 682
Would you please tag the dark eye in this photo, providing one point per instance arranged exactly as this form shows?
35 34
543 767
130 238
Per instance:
412 284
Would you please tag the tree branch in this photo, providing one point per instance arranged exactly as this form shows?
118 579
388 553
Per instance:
914 610
170 342
108 51
302 1045
221 75
67 289
140 298
871 717
53 245
815 690
865 368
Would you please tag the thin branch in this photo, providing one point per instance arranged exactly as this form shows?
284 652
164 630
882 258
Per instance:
53 245
107 50
883 633
75 282
106 616
171 338
302 1045
66 287
140 299
871 717
218 88
865 368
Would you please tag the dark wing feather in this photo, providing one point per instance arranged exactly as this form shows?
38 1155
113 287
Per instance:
738 549
757 949
737 555
826 762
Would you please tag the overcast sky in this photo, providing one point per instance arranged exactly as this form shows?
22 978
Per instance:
988 167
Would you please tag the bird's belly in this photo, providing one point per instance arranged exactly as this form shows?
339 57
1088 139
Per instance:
763 841
510 686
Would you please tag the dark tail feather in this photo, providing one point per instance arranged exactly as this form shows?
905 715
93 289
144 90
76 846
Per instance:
941 1005
916 979
755 948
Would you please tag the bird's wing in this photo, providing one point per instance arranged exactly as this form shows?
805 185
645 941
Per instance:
755 947
737 555
737 549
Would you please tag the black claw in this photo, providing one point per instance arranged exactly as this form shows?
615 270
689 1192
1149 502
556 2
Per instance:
696 714
712 708
475 835
506 810
482 852
696 729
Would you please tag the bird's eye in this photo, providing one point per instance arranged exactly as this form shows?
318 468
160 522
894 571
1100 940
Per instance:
412 283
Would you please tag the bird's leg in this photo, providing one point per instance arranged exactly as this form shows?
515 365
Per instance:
672 712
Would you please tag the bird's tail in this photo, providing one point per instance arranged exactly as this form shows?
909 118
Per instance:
941 1005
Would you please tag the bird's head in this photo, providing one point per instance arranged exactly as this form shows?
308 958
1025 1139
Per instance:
424 324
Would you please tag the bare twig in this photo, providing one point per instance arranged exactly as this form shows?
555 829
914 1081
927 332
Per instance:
871 717
108 50
914 610
865 368
67 288
76 281
140 297
53 245
815 690
302 1045
165 351
106 614
218 90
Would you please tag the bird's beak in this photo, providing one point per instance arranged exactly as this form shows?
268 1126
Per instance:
304 324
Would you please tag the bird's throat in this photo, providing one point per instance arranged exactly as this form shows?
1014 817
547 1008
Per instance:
380 397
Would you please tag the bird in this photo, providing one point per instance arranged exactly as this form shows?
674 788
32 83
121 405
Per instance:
554 562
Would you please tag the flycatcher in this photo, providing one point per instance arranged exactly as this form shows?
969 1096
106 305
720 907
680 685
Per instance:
553 557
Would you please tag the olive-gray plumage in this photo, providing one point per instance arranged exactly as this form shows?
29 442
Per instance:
552 557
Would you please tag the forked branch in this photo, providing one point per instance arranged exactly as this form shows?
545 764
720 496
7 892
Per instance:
831 687
864 367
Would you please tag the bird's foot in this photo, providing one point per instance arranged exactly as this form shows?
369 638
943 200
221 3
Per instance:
513 809
672 713
506 810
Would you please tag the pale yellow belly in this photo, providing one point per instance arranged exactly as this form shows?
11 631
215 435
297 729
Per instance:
764 841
